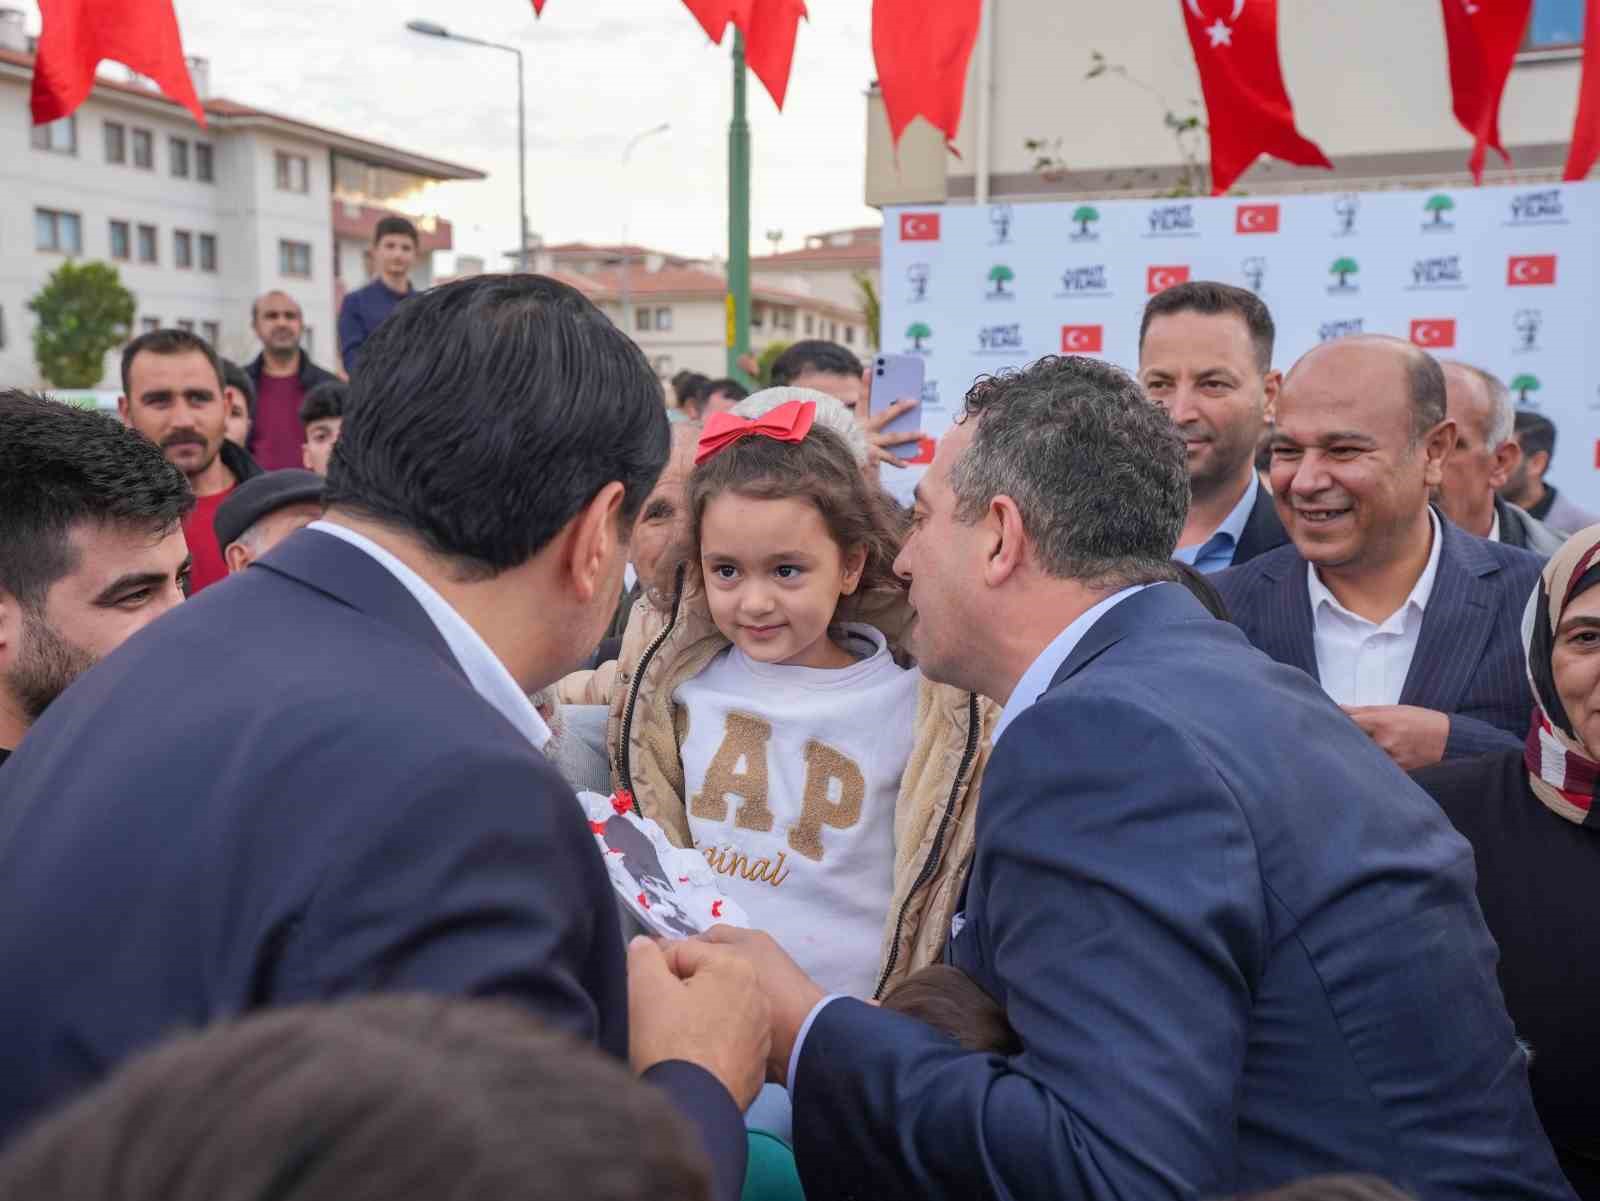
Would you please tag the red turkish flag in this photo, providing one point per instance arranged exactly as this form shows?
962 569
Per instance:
77 34
1586 129
538 8
769 33
1159 279
1530 270
1256 219
1437 333
1483 36
714 15
1247 106
1082 339
922 51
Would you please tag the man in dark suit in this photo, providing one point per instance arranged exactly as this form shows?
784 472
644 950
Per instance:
324 778
1205 355
1227 969
1407 622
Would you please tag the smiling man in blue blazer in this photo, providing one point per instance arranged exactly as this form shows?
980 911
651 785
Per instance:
1408 622
1238 945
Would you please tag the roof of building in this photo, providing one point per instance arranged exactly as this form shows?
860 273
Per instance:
840 248
230 115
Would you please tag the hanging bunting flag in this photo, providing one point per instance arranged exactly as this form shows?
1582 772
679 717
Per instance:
714 15
922 51
538 8
1247 106
1484 37
769 35
1586 130
78 34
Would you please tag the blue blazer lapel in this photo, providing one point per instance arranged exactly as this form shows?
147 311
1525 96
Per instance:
1286 629
1455 626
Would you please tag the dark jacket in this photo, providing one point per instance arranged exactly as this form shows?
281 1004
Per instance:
338 813
309 375
360 315
1539 886
1263 532
237 460
1520 528
1239 947
1469 660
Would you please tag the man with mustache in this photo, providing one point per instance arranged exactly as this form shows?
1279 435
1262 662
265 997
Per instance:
1406 621
1205 355
172 393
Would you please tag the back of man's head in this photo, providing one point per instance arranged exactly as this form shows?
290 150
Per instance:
235 376
1097 470
1499 416
1212 299
404 1098
813 357
489 412
323 401
62 466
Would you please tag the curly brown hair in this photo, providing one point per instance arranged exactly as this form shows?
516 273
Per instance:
821 469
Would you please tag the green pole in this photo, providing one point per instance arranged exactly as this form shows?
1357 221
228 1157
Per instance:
738 299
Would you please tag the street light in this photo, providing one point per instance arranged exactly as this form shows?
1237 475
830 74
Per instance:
434 30
627 211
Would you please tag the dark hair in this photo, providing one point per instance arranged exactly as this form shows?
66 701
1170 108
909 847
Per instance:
1425 388
820 469
1263 458
690 386
1212 299
235 376
1333 1188
951 1001
395 225
1097 470
731 388
168 341
325 400
407 1098
827 358
489 411
1202 589
1535 432
61 466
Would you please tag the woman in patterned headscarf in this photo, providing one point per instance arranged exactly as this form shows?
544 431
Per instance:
1534 825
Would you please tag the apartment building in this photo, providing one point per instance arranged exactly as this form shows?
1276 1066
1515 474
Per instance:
198 221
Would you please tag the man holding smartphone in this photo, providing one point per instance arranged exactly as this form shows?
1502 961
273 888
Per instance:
830 368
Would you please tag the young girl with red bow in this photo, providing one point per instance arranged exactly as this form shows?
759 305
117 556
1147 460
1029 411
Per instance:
775 723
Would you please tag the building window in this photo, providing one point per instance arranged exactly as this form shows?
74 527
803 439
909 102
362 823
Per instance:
147 244
204 167
833 331
641 319
121 242
208 252
293 172
186 326
664 319
758 316
1556 24
58 137
60 232
849 335
144 150
211 331
149 325
294 258
811 325
182 249
178 157
116 143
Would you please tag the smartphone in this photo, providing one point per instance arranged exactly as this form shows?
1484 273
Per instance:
898 377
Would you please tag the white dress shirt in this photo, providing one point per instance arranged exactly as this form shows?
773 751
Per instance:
484 671
1494 527
1365 663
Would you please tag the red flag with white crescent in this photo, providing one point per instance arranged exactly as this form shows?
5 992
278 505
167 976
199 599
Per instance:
922 51
1484 37
1586 129
1247 106
78 34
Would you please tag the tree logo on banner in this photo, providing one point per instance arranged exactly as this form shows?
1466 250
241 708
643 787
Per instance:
1086 215
1438 205
1000 218
1344 267
1528 323
1523 385
1346 207
919 332
1255 273
1219 31
919 274
1000 275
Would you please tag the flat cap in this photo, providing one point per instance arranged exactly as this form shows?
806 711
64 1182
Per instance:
261 495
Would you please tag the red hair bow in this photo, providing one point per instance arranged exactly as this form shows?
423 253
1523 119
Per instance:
789 422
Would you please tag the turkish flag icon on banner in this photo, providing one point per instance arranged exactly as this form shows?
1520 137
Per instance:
1247 106
1438 333
1159 279
919 227
1586 129
1527 270
1082 339
1484 37
78 34
1256 219
922 51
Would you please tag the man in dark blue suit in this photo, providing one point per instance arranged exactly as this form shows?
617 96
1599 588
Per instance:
1237 944
324 778
1406 621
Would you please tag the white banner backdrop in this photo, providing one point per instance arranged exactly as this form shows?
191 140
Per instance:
1501 277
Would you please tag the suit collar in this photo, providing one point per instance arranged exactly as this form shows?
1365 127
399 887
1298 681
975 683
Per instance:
1157 605
1263 531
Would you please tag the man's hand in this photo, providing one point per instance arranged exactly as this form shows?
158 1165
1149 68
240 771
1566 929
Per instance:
791 993
1412 737
707 1008
878 442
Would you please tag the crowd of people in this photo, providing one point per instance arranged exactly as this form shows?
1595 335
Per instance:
1188 796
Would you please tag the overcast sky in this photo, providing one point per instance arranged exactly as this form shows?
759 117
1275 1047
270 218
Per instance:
598 72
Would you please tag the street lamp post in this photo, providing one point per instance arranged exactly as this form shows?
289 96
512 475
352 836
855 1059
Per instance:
433 30
627 209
